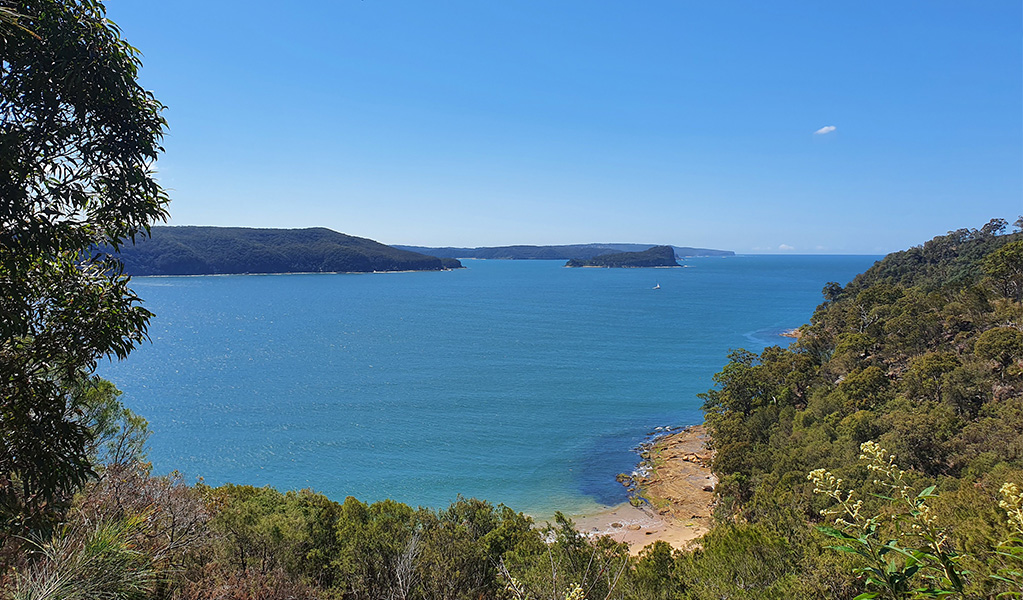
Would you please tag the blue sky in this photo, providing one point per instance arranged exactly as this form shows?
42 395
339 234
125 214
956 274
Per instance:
490 123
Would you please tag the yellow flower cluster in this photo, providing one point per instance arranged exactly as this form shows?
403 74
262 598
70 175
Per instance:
1012 503
883 463
829 485
925 519
576 593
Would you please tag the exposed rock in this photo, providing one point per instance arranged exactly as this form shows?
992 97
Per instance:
681 485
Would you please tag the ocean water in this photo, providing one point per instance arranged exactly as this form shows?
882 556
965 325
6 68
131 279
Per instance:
520 382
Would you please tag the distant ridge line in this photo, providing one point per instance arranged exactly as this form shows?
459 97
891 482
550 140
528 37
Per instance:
200 250
556 252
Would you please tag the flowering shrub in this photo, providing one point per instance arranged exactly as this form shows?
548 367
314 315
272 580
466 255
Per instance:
905 554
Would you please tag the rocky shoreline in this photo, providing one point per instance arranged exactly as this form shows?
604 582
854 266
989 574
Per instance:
671 493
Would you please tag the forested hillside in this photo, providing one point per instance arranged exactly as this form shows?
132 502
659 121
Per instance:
919 358
223 250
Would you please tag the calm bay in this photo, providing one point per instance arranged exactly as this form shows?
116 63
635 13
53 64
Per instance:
521 382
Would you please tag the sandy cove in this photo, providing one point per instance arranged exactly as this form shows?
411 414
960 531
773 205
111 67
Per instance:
677 484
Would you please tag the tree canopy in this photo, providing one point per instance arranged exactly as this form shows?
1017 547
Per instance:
78 141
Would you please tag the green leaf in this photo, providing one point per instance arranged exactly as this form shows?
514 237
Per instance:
912 556
845 549
932 592
835 533
851 550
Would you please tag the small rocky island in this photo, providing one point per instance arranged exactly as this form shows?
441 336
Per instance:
658 256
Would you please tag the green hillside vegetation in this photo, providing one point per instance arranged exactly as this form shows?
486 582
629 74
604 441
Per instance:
563 252
916 366
658 256
229 250
158 538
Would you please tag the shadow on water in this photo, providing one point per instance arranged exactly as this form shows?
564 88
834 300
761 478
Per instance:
610 454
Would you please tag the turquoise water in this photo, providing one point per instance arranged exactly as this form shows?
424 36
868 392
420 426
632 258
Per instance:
520 382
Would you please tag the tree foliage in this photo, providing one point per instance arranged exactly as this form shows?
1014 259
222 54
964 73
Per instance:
1005 267
78 139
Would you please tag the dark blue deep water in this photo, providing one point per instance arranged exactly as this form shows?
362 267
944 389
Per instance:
520 382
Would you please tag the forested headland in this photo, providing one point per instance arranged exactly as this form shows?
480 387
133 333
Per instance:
236 250
658 256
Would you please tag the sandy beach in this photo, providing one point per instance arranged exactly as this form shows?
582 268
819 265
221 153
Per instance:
676 482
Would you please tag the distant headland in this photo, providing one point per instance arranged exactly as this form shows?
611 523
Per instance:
658 256
563 252
240 250
201 250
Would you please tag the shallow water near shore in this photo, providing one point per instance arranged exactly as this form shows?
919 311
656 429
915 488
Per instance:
520 382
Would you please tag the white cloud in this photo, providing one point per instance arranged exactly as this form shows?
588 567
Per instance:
786 247
825 130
